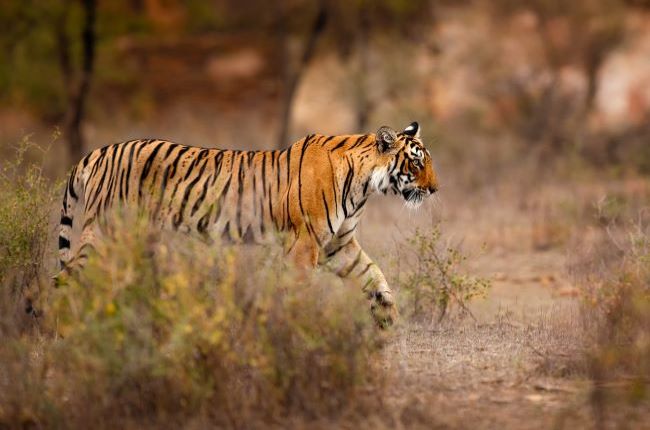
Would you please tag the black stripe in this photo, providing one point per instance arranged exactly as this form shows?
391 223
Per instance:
174 169
287 215
163 161
327 212
275 158
98 190
327 140
170 149
336 206
198 202
359 141
226 232
64 243
346 187
111 183
340 236
178 219
341 143
66 220
240 191
122 170
345 272
88 222
147 168
109 171
310 228
222 197
254 181
359 207
202 225
163 187
218 161
363 272
302 155
71 184
289 162
270 196
190 168
96 164
311 231
336 251
177 160
144 143
128 170
264 173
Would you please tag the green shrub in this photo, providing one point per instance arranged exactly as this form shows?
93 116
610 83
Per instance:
165 330
26 201
437 281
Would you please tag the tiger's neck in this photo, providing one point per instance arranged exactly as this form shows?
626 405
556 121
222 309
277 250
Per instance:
359 176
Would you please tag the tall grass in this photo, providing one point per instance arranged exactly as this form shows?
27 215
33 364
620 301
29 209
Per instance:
26 198
617 318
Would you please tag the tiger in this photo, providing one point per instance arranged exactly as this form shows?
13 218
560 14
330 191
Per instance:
314 192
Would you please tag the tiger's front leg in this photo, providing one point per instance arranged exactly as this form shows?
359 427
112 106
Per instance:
348 260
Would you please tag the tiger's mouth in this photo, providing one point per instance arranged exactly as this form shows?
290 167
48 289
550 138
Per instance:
414 196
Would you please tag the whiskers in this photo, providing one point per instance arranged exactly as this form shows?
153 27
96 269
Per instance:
414 198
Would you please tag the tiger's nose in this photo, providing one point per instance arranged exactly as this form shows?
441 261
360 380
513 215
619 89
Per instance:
433 189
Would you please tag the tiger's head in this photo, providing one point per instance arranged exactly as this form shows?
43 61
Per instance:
405 166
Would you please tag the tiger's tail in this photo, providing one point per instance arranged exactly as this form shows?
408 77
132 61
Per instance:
70 200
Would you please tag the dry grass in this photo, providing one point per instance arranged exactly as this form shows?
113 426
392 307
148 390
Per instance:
178 333
170 332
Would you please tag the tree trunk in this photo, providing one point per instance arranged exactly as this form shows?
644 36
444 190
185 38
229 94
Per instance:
77 96
292 76
363 103
63 50
592 66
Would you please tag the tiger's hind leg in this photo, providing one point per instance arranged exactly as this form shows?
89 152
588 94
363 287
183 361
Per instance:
303 250
87 242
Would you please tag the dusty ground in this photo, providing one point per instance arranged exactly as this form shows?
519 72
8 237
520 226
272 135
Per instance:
493 372
518 365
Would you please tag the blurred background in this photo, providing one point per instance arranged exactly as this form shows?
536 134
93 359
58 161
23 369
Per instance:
495 84
536 113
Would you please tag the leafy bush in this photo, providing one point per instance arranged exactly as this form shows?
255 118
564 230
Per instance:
26 199
617 309
167 330
615 283
437 281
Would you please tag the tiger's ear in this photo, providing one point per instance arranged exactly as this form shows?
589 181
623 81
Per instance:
413 130
385 138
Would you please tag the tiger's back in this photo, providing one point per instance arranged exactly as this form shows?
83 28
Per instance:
231 192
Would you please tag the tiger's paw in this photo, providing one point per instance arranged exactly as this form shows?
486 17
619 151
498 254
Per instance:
383 309
61 279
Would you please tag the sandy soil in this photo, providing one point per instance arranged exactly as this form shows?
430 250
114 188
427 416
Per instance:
517 365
